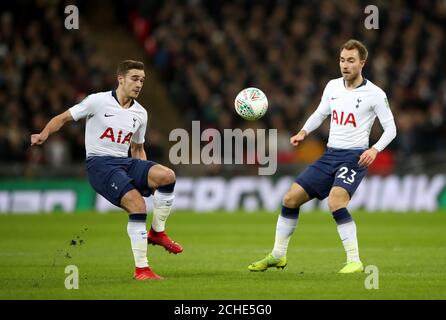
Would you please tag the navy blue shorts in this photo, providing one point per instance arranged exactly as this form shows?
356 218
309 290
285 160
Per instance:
336 167
113 177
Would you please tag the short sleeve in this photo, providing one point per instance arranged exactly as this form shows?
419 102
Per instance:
83 108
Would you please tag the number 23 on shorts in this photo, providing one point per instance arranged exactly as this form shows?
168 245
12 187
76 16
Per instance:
347 175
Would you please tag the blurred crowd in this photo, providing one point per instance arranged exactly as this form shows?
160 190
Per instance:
207 51
44 69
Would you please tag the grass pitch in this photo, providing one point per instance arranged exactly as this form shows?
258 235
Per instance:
408 249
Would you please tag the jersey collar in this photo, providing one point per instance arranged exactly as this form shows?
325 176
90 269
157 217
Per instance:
363 83
116 98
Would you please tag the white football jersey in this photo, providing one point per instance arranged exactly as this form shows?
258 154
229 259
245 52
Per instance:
352 114
110 128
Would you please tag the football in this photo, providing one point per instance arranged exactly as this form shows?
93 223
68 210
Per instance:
251 104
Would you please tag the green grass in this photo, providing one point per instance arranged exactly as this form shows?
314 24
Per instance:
409 250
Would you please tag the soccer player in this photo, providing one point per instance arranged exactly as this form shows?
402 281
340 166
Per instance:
353 103
115 122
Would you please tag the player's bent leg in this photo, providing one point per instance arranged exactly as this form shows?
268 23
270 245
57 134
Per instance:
285 227
134 204
288 218
163 180
338 200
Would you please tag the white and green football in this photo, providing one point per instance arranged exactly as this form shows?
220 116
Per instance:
251 104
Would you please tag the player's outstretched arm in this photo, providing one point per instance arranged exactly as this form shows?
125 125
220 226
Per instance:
315 120
52 126
312 123
137 151
297 138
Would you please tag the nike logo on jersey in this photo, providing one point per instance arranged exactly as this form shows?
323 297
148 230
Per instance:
334 98
108 115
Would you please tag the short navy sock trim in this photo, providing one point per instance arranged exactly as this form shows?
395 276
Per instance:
290 213
342 216
138 217
168 188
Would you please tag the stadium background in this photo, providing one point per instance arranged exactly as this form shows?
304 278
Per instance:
198 56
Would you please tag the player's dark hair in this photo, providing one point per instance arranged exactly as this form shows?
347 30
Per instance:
127 65
358 45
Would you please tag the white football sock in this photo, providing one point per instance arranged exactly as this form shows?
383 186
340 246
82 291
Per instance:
137 232
162 205
284 229
347 233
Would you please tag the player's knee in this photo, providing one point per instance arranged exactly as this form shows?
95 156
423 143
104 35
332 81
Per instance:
161 177
337 199
335 203
168 177
290 201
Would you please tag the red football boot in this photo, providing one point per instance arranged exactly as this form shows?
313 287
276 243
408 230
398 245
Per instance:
162 239
145 274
